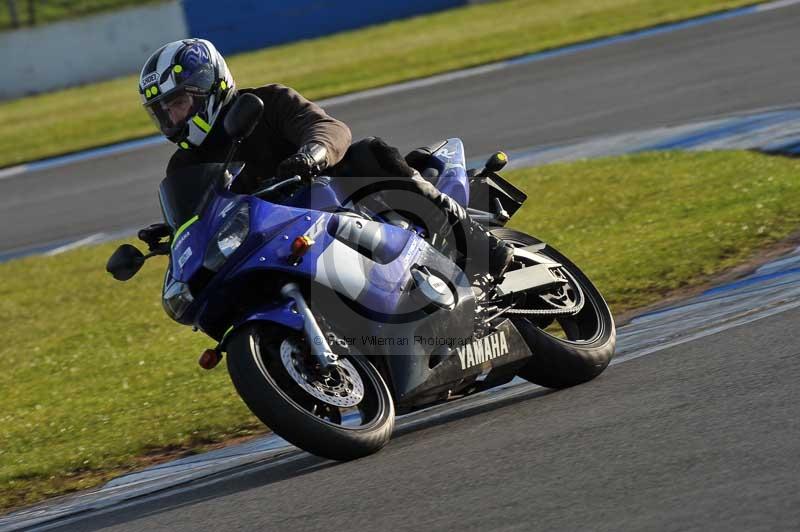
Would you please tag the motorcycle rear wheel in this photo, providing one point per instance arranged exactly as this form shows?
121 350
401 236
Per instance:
350 419
588 338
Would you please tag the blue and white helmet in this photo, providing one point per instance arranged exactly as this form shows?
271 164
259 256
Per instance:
183 85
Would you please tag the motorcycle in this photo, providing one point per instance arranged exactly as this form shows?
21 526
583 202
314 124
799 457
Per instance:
336 316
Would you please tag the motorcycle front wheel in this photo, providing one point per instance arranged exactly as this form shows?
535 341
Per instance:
342 413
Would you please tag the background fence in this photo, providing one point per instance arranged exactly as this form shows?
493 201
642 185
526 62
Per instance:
39 57
85 50
251 24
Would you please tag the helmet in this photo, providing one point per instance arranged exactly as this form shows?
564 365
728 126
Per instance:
183 86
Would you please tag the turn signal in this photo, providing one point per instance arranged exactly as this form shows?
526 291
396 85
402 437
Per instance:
497 162
300 245
209 359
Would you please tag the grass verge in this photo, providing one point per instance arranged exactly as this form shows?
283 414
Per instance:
98 381
108 112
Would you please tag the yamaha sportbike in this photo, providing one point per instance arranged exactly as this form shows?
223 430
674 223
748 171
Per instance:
335 315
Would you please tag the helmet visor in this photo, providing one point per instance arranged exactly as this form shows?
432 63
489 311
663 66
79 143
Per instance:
172 112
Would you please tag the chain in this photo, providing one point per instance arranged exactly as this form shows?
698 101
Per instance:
569 311
543 312
547 312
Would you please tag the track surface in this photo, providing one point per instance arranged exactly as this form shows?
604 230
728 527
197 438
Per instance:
722 67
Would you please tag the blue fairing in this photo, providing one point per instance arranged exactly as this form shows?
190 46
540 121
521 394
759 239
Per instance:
321 195
276 312
371 273
449 160
190 247
331 262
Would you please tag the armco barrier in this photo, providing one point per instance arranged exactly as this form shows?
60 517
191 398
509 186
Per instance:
251 24
85 50
95 48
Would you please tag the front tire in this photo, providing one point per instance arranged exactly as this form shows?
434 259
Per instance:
317 419
589 337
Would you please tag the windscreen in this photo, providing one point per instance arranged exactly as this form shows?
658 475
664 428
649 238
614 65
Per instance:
186 192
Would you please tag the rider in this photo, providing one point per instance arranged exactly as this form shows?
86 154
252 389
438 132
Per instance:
186 88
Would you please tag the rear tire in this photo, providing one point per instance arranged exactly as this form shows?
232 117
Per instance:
591 333
272 394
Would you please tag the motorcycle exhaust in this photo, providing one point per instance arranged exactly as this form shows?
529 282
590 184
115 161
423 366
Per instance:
316 340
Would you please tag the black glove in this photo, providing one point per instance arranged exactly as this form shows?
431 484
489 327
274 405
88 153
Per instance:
308 162
153 234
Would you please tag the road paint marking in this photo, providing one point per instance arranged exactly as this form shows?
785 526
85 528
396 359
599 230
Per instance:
48 248
742 320
104 509
776 5
82 156
12 171
91 239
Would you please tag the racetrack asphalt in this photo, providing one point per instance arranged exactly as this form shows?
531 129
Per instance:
738 64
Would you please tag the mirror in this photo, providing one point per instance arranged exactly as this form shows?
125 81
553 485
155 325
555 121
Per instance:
125 262
241 120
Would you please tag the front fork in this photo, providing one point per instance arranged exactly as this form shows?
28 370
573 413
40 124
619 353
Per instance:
313 333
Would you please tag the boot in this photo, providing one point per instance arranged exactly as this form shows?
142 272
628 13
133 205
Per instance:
500 254
481 244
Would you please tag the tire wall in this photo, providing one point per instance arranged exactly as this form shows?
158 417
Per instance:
87 49
231 29
101 47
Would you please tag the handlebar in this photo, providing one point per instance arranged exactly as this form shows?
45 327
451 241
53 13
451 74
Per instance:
266 191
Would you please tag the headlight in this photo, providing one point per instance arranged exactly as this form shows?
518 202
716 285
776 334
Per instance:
228 239
176 298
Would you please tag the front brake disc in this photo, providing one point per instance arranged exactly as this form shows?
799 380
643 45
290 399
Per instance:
341 387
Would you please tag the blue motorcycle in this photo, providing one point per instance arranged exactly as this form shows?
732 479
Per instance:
336 313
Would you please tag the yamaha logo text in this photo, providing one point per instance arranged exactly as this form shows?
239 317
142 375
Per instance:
483 349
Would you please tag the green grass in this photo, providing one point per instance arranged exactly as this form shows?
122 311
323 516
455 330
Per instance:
643 226
96 376
48 11
103 113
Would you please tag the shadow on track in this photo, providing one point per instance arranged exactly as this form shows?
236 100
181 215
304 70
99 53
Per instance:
293 464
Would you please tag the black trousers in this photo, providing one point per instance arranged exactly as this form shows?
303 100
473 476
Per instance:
373 171
375 175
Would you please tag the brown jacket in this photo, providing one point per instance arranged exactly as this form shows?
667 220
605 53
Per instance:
289 121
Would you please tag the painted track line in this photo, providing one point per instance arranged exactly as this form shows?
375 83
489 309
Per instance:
91 239
82 156
67 244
